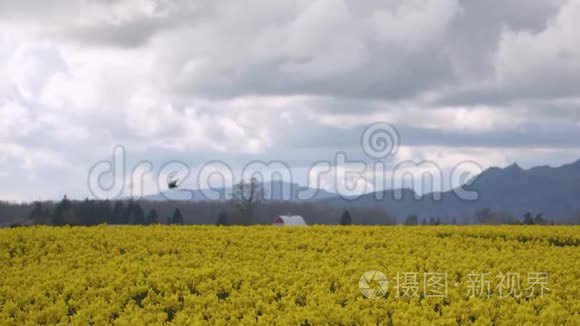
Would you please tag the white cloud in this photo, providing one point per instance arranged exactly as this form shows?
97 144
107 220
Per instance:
468 119
415 25
545 62
30 161
14 120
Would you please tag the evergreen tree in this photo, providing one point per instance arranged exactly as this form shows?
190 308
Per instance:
177 217
222 218
138 215
86 213
104 212
152 217
118 212
39 214
527 219
412 220
345 219
127 216
62 212
36 210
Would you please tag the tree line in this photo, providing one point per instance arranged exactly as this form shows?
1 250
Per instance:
247 207
94 212
486 216
136 212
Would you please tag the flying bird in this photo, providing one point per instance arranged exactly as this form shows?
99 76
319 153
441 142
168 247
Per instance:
172 181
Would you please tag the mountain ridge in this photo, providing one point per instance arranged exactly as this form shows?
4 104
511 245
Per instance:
552 191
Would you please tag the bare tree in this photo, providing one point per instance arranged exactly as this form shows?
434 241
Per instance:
247 196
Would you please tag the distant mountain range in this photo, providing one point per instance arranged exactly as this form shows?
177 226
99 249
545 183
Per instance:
553 191
273 190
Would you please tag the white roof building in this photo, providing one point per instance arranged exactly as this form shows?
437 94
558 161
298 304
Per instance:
289 220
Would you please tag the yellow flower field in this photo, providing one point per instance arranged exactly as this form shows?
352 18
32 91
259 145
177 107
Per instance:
188 275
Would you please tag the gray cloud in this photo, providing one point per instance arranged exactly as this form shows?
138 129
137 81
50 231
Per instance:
292 80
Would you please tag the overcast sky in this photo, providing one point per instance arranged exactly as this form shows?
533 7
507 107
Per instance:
494 81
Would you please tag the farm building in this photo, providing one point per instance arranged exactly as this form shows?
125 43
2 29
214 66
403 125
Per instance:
289 220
